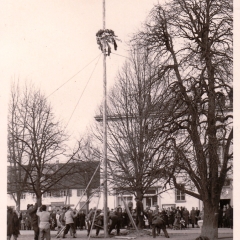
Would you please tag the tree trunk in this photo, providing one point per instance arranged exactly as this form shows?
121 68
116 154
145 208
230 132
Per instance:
139 195
39 200
18 201
210 221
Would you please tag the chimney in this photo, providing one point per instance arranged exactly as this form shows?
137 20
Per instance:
57 164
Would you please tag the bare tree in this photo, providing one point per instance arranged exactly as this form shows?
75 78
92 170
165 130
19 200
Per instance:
17 177
36 141
137 153
194 40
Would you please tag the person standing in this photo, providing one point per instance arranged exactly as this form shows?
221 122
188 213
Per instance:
32 212
197 216
53 220
220 216
231 218
139 210
12 224
130 205
82 217
193 216
90 219
120 216
44 223
69 216
186 217
228 213
59 225
98 222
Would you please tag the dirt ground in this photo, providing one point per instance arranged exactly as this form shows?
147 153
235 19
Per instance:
177 235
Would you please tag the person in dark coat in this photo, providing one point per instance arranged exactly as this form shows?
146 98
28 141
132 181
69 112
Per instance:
32 212
13 224
193 216
139 210
120 216
228 213
220 217
165 217
171 217
185 215
125 218
82 218
231 218
158 223
115 222
197 216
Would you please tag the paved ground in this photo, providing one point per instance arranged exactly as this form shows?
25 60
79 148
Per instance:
188 234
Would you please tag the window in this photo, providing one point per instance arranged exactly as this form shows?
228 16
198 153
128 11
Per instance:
179 196
47 194
126 199
62 193
23 196
80 192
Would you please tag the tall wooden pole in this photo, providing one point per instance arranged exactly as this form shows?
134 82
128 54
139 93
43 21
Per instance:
105 193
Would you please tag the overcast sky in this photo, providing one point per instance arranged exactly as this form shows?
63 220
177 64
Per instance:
50 41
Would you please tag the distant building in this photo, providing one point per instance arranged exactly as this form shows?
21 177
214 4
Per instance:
68 190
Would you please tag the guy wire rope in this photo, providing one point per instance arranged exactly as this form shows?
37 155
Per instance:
88 183
72 77
82 93
126 206
94 218
96 190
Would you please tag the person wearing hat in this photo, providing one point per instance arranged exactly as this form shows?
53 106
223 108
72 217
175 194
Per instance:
69 216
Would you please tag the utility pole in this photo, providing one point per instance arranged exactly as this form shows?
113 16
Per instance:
105 192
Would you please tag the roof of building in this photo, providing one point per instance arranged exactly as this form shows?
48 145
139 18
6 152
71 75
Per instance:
72 175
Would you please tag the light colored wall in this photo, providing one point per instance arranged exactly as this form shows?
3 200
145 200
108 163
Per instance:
169 198
73 200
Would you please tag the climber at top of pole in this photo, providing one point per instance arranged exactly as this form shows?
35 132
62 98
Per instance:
106 36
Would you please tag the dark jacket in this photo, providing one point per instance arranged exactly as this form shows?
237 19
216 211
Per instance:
13 223
32 213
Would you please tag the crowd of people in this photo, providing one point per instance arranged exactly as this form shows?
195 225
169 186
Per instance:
66 219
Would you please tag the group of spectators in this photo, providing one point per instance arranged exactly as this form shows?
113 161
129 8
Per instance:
41 221
225 217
